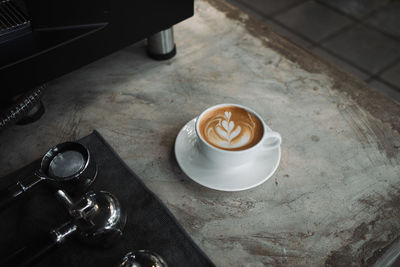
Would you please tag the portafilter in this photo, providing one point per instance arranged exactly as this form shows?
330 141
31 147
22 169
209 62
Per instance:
68 166
97 219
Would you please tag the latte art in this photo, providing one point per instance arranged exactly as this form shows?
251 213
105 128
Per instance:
231 128
224 132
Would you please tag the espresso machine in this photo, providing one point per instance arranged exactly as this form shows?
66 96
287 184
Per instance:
41 40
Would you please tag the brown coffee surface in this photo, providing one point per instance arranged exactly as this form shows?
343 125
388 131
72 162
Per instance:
230 128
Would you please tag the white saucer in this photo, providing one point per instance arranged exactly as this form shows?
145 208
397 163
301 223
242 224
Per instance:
199 169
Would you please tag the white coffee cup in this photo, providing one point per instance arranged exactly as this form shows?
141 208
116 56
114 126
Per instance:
222 157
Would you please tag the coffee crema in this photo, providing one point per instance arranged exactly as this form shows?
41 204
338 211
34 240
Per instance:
230 128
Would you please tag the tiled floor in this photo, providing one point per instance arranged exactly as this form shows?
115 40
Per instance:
360 36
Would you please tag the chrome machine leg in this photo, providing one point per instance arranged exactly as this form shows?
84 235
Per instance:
161 46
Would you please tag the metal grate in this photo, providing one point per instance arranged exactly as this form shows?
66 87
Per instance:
12 19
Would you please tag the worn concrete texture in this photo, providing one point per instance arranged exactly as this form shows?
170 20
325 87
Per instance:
335 198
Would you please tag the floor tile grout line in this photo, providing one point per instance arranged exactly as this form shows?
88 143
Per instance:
338 32
363 19
330 36
388 66
293 31
366 16
335 33
371 27
287 8
333 54
378 76
388 84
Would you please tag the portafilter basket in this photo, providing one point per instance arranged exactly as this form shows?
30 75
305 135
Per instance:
68 166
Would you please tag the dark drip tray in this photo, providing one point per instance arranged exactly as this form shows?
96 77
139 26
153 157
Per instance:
13 21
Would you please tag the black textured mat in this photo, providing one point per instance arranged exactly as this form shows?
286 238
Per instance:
149 223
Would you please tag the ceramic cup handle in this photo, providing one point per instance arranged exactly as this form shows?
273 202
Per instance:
271 140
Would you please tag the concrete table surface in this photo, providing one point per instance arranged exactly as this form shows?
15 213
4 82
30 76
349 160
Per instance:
335 198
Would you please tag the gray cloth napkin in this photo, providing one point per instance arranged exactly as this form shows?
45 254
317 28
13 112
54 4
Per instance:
149 226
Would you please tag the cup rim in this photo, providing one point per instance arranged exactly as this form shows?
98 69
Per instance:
265 129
